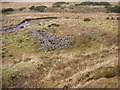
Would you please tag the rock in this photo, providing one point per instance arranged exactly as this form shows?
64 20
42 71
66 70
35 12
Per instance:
49 40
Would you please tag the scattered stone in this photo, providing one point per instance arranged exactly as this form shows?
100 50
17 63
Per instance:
49 41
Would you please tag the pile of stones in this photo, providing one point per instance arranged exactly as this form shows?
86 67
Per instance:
50 41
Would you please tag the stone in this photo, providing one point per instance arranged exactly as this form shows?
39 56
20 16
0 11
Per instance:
49 40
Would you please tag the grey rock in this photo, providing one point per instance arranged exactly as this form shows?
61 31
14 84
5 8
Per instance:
48 40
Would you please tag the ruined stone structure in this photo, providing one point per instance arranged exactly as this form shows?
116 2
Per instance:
50 41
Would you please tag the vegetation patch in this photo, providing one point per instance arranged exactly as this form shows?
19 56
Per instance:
7 10
94 3
115 9
86 19
84 76
104 72
53 25
21 9
58 4
38 8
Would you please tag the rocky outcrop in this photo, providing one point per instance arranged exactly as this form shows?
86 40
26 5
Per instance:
50 41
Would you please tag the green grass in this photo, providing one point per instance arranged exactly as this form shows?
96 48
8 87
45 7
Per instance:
20 43
6 74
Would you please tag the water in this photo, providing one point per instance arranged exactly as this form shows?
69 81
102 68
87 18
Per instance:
24 24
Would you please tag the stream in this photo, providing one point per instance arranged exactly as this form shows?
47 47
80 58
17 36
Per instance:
24 24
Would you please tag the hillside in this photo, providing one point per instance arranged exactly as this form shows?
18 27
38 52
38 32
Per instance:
69 50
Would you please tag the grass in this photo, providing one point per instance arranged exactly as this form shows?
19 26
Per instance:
20 41
84 76
103 83
100 77
23 53
105 72
6 74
